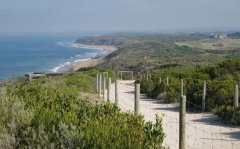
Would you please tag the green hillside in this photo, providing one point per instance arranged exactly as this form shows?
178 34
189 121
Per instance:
140 52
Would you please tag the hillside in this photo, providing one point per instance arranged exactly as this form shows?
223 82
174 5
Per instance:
146 51
235 35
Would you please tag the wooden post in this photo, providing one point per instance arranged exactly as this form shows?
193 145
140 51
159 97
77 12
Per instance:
132 75
137 98
117 75
182 118
104 87
116 93
160 80
100 85
204 96
109 88
167 81
181 86
52 146
236 96
97 82
147 77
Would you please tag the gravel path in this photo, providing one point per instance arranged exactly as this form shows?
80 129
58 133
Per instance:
203 130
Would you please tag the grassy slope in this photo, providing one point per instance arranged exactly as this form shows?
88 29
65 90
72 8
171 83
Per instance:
213 44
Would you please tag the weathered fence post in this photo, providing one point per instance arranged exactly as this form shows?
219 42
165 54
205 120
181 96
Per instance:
104 87
167 87
181 86
109 88
132 75
116 93
160 80
204 96
97 82
100 85
137 98
167 81
182 118
52 146
147 77
236 96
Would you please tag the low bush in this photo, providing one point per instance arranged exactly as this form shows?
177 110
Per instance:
48 112
228 114
220 81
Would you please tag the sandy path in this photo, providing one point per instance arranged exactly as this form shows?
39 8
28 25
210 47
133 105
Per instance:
204 130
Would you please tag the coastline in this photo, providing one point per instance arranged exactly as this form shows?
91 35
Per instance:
94 61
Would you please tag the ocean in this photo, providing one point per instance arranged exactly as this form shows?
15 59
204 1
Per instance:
22 54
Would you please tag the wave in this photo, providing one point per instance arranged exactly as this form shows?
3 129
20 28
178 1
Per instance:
76 58
66 66
75 45
61 66
82 60
68 44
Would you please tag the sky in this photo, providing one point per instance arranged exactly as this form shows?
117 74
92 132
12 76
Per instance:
36 16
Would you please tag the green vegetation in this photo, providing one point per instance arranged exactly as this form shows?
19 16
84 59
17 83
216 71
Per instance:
140 52
220 86
193 57
48 112
228 114
235 35
213 44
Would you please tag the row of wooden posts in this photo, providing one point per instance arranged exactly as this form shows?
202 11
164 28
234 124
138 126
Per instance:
235 99
101 88
149 77
182 109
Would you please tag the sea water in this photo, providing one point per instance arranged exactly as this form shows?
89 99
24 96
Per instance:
22 54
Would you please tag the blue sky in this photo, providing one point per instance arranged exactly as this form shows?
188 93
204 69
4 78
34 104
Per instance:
118 15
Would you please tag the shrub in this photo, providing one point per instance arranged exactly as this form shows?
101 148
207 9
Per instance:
228 114
220 83
50 114
14 118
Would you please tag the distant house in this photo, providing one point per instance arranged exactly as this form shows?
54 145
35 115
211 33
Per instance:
223 36
220 36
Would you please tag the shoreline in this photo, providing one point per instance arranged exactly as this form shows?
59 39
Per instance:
93 61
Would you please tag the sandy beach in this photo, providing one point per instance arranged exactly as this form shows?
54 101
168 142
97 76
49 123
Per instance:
94 61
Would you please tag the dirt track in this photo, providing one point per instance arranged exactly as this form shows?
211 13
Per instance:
203 130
